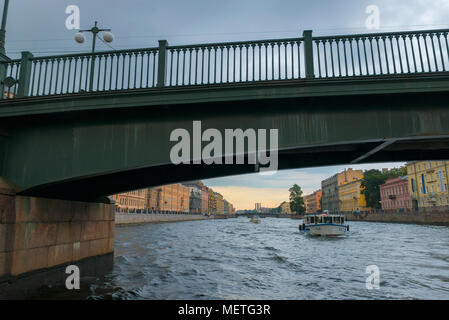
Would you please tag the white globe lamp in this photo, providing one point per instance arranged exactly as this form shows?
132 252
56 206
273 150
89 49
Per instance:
79 37
108 37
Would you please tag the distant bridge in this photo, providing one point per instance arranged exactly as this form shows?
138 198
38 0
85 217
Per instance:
80 126
269 215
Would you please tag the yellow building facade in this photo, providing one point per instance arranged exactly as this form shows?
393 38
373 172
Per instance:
285 208
131 201
212 201
219 201
351 198
153 198
231 208
312 202
329 187
308 202
172 197
428 183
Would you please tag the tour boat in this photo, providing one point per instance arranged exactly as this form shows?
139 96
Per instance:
255 219
324 225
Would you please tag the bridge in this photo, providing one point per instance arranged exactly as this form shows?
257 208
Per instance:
81 126
268 215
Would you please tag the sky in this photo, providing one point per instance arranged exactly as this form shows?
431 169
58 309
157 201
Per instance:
245 190
39 26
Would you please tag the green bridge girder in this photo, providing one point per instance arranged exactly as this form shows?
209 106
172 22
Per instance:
81 147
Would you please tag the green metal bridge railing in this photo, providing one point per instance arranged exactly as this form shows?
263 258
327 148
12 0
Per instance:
231 62
306 57
381 53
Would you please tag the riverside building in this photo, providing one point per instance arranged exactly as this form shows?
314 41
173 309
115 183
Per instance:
351 197
219 203
329 187
285 208
395 194
172 197
212 201
428 183
131 201
195 199
312 202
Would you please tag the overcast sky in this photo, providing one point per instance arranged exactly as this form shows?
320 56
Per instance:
39 26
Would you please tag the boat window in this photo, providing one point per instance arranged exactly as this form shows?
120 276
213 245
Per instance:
319 219
327 219
337 220
312 220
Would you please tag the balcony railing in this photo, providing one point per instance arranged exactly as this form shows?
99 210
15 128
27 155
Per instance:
306 57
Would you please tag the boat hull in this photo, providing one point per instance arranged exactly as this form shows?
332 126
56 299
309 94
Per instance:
328 230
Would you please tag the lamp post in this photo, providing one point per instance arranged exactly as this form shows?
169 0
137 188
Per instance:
3 56
3 28
107 36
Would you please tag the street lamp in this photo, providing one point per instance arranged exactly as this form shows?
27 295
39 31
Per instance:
3 28
107 37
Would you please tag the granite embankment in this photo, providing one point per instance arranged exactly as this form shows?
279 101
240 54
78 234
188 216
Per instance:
122 218
436 217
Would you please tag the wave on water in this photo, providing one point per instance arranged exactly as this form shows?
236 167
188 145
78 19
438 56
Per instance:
234 259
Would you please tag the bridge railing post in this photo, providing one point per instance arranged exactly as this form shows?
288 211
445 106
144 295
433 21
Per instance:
25 74
162 63
308 53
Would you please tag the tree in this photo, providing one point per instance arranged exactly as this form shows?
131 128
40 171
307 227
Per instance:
371 181
296 200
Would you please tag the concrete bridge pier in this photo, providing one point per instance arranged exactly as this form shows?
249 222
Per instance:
40 237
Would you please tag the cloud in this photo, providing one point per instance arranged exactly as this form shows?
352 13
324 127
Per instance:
417 13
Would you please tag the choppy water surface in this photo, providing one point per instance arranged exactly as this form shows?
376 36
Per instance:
235 259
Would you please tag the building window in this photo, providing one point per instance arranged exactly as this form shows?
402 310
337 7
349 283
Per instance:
413 185
440 175
423 184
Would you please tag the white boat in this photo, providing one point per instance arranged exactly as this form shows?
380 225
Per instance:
255 219
324 225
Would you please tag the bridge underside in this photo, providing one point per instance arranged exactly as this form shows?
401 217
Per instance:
85 154
92 187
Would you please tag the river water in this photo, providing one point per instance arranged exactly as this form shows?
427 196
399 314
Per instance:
236 259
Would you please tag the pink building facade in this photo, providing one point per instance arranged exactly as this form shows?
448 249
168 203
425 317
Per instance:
395 195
